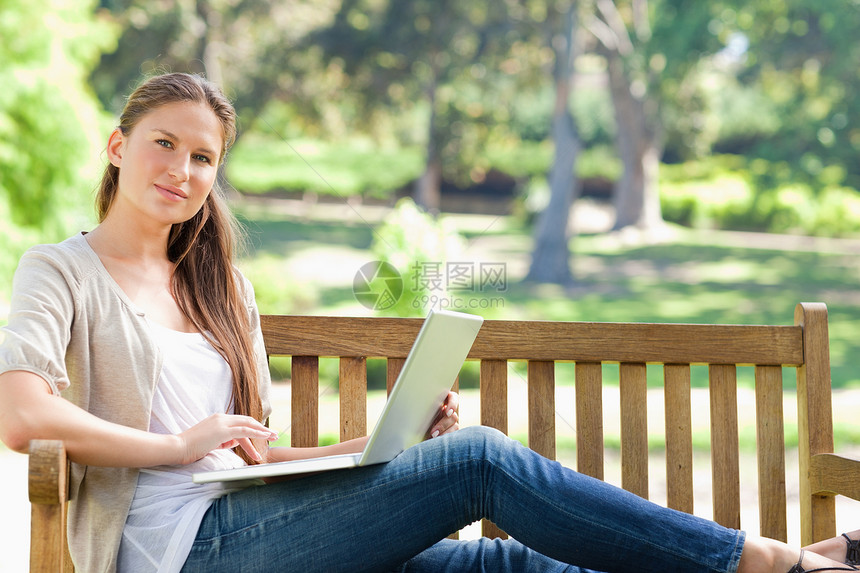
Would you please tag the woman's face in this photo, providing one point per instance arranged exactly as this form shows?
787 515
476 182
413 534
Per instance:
167 164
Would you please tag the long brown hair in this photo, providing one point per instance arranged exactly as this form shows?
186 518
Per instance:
204 281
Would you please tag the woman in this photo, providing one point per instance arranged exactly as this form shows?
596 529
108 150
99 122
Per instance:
153 338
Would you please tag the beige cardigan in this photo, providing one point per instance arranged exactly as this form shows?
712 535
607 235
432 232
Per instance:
71 324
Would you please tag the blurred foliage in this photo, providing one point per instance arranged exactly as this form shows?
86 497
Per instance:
262 162
246 46
798 62
473 82
51 125
455 64
335 97
419 247
720 192
277 296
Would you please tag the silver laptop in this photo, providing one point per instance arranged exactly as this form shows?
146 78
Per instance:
428 373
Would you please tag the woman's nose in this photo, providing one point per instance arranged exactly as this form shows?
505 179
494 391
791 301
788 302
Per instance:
180 168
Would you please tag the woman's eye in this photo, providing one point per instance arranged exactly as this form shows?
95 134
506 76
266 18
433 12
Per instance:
164 143
202 159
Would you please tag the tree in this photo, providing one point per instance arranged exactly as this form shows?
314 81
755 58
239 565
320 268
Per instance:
248 47
551 255
638 135
648 59
443 57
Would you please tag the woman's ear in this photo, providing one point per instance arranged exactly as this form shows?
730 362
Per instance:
114 147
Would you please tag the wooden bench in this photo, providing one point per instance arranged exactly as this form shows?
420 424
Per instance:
590 346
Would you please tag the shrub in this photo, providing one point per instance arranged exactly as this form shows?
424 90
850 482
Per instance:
723 192
419 246
837 213
286 296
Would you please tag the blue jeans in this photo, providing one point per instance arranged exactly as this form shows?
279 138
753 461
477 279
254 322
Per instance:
394 517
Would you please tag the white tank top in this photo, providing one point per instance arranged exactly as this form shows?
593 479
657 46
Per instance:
167 509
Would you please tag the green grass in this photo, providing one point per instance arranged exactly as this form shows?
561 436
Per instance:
697 278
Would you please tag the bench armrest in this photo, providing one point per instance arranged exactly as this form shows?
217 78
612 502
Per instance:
831 474
48 482
48 472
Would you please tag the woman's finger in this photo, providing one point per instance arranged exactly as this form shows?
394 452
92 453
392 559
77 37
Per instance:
248 447
452 403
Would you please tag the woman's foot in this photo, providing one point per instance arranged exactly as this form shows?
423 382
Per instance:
844 548
852 552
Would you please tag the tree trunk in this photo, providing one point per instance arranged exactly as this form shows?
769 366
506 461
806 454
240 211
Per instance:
209 44
636 196
428 193
551 255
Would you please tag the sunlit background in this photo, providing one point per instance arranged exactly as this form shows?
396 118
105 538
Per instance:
604 160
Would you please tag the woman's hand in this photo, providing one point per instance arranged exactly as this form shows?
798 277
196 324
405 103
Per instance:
28 410
448 418
222 431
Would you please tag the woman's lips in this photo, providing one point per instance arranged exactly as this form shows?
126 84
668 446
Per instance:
172 192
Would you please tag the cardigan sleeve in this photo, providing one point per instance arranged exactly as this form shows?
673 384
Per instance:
40 319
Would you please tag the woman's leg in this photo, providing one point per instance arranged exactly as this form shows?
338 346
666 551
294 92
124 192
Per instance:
763 555
379 517
835 548
483 556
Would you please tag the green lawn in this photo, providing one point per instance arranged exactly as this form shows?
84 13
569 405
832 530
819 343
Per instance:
694 277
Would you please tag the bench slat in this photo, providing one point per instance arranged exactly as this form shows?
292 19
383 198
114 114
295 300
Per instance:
634 428
392 371
353 397
725 463
304 431
770 441
589 418
494 414
379 337
679 437
494 394
541 399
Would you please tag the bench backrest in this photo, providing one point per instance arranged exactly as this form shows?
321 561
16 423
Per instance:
803 345
590 346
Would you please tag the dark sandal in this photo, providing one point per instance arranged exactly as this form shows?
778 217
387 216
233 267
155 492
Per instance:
852 554
798 567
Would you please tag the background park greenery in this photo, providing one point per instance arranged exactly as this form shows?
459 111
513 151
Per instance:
745 109
739 118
